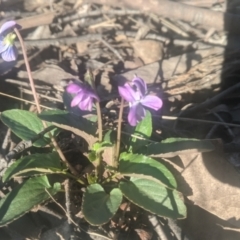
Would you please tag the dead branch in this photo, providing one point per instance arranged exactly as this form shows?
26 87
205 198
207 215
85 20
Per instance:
36 20
218 20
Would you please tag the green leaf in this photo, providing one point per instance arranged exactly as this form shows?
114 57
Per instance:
97 149
136 165
99 207
92 156
96 146
26 125
24 197
144 127
76 124
91 179
34 164
99 146
108 137
143 130
154 197
171 147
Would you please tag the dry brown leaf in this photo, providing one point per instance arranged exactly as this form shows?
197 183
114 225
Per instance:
136 63
108 155
125 206
36 20
82 47
201 3
149 51
159 72
143 234
67 31
201 225
120 37
51 74
210 182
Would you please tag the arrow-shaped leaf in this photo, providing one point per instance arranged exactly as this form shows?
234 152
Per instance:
68 121
26 125
33 164
137 165
154 197
24 197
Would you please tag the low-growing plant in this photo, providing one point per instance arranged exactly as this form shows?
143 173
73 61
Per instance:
127 171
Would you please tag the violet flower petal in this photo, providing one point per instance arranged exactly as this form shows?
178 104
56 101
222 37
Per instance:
136 114
127 93
77 99
86 104
73 88
153 102
84 95
10 54
7 27
140 85
92 94
87 91
3 46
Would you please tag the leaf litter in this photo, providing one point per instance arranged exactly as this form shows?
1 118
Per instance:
182 62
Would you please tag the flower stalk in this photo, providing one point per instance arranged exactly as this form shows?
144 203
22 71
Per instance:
99 116
28 70
116 156
85 96
72 169
97 104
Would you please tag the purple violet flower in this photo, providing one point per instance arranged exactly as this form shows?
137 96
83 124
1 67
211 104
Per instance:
140 85
85 96
138 100
8 50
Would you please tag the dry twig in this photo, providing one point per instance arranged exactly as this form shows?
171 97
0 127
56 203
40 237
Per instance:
210 102
179 11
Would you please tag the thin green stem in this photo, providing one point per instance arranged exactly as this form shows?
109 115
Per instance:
99 116
110 178
115 163
74 177
100 128
72 169
98 165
